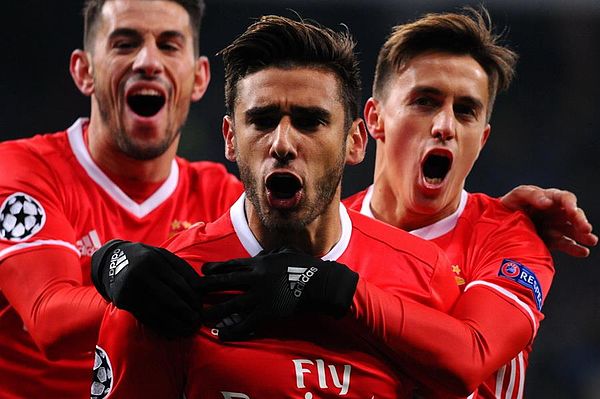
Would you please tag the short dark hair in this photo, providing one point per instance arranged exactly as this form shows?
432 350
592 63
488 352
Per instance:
469 33
93 8
275 41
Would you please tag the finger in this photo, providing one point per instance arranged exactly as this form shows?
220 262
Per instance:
580 222
555 231
240 304
162 310
225 267
225 282
570 247
240 331
180 277
525 196
161 300
562 199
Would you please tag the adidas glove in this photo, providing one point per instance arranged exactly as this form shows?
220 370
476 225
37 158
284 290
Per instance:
153 284
276 285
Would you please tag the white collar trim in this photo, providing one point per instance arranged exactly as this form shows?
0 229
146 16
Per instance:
75 135
430 232
251 244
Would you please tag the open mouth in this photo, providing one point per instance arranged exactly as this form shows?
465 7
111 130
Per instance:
284 191
436 166
283 186
146 102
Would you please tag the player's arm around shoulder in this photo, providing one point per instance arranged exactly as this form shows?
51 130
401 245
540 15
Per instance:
132 361
511 260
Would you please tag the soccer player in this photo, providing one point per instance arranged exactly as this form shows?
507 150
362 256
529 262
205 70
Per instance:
292 92
435 83
114 175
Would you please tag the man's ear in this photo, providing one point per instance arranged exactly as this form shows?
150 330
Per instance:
81 70
229 136
201 78
486 134
374 120
356 143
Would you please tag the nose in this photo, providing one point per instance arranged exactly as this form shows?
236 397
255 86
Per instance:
148 60
444 124
282 146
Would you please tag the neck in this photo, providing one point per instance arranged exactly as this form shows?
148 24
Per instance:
107 155
392 206
317 238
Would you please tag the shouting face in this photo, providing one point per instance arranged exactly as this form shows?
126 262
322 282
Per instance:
431 126
290 141
143 74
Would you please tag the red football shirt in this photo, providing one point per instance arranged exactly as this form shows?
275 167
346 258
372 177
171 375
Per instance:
494 249
52 195
307 357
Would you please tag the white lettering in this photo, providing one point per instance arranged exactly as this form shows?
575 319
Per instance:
234 395
300 371
321 373
342 383
345 385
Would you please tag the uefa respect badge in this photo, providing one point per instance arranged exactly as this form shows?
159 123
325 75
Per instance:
520 274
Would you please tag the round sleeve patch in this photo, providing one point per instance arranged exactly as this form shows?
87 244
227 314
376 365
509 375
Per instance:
103 378
21 216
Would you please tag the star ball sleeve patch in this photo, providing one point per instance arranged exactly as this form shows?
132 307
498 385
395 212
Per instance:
21 216
103 379
517 272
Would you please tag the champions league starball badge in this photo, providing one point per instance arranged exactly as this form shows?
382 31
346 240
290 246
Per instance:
102 379
21 216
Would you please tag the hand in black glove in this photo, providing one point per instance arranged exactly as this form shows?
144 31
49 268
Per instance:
157 287
276 285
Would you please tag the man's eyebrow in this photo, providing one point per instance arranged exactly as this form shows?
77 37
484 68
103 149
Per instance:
254 112
124 32
469 100
172 34
314 112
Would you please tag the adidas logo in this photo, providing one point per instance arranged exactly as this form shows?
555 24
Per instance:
89 243
299 277
118 261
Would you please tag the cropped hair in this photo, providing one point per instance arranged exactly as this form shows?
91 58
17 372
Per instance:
275 41
93 8
469 33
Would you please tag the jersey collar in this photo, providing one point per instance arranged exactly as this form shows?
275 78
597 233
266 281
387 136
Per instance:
430 232
251 244
77 143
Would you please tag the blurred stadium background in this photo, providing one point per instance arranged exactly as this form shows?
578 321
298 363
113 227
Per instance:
546 129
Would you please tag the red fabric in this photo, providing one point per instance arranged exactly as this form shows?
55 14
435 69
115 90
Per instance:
486 339
47 303
306 357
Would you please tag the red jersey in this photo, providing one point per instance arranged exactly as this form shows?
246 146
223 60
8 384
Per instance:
53 195
494 249
307 357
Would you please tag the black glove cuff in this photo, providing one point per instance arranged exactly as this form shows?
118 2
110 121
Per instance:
100 263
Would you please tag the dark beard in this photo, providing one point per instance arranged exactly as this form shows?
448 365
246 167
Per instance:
285 222
128 146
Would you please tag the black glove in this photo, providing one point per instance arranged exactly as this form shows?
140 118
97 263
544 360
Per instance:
157 287
276 285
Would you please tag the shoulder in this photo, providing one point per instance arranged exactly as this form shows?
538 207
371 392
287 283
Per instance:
38 148
487 213
202 168
205 241
395 239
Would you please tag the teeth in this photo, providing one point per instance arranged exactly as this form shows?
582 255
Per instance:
433 180
146 92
